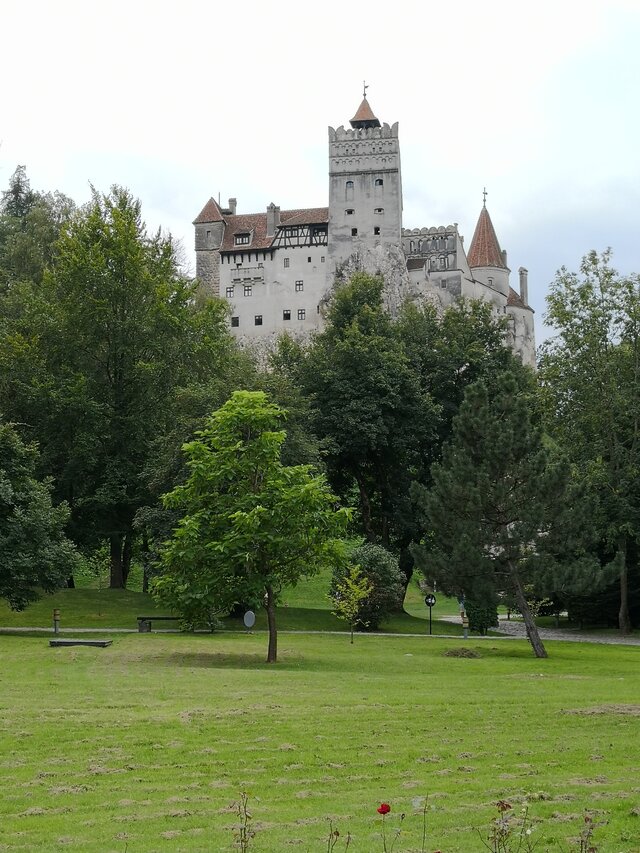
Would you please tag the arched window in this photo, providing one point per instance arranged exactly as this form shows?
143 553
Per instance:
348 188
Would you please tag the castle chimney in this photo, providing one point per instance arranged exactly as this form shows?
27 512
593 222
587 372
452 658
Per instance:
233 203
504 257
524 285
273 219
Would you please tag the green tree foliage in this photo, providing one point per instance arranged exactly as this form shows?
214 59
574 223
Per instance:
35 554
495 517
250 525
590 373
367 407
350 589
382 571
30 224
112 365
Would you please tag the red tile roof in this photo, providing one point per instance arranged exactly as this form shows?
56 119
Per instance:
484 250
364 114
515 299
210 213
256 225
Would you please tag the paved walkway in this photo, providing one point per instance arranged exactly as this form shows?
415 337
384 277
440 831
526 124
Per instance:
516 629
508 630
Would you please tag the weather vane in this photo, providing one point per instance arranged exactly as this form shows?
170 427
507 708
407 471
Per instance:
364 88
484 196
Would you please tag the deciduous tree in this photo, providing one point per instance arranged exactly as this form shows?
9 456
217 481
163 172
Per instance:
590 373
35 554
250 525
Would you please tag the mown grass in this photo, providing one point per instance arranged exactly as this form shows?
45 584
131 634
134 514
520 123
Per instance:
303 607
144 745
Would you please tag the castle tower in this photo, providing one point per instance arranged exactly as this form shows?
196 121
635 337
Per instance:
209 226
365 189
487 261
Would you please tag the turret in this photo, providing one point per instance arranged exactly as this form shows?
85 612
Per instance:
209 225
486 259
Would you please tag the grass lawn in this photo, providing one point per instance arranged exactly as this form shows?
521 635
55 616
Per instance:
144 745
304 607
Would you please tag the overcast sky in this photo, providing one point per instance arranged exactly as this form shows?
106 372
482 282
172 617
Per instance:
179 102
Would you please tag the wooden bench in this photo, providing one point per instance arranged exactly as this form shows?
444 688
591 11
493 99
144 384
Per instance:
100 643
144 622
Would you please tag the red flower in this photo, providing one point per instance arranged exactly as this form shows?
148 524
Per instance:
384 808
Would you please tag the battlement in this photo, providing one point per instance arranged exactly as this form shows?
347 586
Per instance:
343 134
425 232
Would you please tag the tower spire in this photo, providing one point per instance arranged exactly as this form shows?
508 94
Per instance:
484 250
364 117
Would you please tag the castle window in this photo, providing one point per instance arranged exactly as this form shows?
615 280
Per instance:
354 232
208 234
319 233
291 231
490 282
299 286
247 290
379 182
322 259
235 322
412 246
301 313
379 210
257 320
443 263
242 239
349 211
376 230
348 190
308 260
286 315
286 263
443 282
229 293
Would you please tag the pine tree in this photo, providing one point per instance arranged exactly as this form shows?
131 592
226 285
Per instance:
496 515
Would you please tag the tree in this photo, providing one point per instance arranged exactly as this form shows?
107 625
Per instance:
495 518
590 372
382 571
367 408
250 524
348 595
35 554
112 365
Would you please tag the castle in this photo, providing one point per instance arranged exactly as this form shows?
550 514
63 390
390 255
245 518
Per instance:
277 268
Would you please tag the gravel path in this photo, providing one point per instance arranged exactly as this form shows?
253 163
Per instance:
516 629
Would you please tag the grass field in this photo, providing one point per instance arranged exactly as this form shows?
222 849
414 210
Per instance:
304 607
144 745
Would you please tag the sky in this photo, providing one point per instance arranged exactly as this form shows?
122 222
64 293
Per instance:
536 102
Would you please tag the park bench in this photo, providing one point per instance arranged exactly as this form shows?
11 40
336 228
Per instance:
144 622
99 643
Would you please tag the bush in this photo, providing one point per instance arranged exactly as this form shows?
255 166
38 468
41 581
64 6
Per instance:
383 572
482 616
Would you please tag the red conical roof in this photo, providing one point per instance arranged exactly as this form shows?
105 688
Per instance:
210 213
364 117
484 250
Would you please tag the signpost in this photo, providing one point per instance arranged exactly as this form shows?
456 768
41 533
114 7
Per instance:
430 601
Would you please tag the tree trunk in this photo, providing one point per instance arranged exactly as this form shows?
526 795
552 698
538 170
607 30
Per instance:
272 653
116 580
624 620
365 507
127 550
530 624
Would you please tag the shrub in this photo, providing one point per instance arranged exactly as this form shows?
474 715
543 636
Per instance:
383 572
